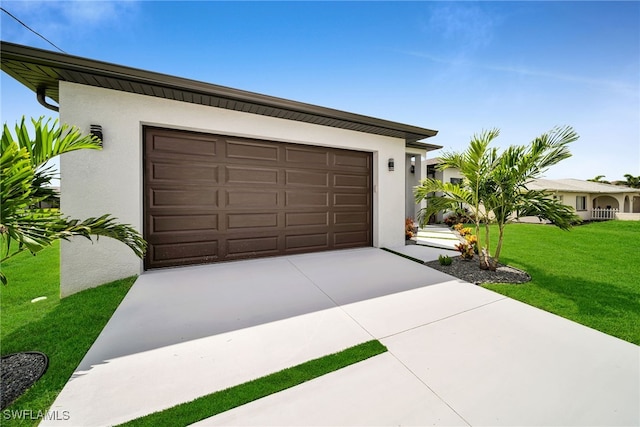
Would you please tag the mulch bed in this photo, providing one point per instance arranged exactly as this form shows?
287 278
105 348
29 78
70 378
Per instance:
470 271
19 371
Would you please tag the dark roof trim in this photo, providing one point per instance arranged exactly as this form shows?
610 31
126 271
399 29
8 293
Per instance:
41 70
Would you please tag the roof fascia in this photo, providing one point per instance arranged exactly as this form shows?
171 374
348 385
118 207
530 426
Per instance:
104 69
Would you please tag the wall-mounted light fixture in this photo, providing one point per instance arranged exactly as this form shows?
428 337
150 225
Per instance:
390 164
96 130
413 169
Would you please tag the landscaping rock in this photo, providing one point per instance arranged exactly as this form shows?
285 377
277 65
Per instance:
470 271
19 371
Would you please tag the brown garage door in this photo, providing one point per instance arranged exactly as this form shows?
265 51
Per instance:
215 198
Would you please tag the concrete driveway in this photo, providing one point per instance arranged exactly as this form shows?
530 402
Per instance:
458 354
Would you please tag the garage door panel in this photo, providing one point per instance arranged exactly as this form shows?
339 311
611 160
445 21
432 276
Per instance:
242 199
185 173
318 241
307 178
343 181
350 200
295 199
351 160
166 144
185 251
351 219
252 151
254 176
215 198
350 238
243 247
171 223
252 220
309 158
184 198
306 219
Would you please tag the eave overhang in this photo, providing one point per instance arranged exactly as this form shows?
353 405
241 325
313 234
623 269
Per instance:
41 70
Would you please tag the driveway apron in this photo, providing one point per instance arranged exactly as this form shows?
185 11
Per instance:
458 354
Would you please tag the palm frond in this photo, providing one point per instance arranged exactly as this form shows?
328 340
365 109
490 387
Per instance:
23 176
50 140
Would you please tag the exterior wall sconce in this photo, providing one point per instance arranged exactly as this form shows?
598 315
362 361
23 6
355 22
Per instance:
391 164
96 130
413 169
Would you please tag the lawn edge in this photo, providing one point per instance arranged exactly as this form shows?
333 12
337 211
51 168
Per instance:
215 403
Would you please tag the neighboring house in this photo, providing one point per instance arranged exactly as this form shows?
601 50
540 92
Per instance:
209 173
593 200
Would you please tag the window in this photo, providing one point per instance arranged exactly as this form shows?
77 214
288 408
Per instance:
456 181
581 203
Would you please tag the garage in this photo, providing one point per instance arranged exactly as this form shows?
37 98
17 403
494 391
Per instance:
211 198
209 173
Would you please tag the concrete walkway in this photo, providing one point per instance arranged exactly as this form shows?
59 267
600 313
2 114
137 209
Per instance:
437 236
458 354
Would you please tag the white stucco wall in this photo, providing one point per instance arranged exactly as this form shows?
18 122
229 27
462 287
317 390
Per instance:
110 181
412 179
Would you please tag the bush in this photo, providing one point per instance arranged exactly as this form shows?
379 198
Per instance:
409 227
445 259
466 251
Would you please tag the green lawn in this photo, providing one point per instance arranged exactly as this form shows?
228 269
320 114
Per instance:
62 329
590 274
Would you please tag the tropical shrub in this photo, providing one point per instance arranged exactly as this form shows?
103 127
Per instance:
465 231
473 241
466 250
444 259
409 227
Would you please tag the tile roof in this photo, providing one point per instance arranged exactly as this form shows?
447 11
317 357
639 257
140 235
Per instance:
579 186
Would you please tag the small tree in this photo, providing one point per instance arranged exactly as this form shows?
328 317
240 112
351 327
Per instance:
495 186
509 197
474 165
24 179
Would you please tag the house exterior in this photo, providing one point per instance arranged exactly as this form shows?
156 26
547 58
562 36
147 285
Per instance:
208 173
451 175
593 200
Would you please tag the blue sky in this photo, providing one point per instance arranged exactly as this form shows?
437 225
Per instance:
459 68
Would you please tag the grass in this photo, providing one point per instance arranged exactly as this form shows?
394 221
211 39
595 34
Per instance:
590 275
62 329
224 400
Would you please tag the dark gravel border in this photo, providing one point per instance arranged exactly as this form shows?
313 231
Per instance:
19 371
470 271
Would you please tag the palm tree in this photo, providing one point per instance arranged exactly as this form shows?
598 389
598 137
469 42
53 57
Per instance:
474 164
24 176
632 181
599 178
516 167
495 186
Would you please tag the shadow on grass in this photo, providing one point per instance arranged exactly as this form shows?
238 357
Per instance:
597 304
64 334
